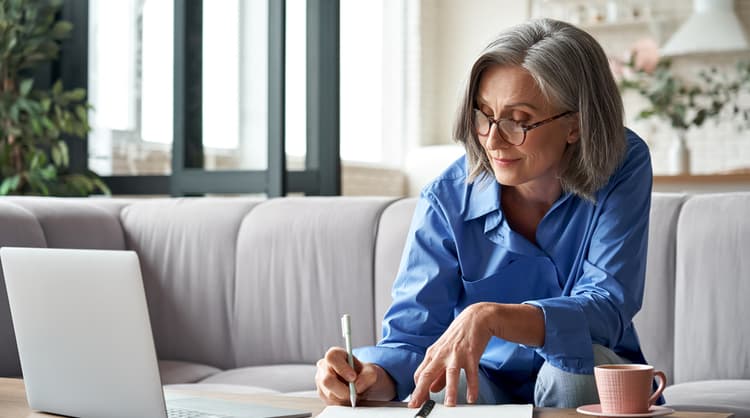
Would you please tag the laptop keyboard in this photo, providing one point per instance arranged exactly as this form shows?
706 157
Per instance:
189 413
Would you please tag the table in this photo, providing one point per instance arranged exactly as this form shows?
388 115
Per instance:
13 404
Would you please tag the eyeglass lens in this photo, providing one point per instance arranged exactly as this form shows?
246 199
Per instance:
509 129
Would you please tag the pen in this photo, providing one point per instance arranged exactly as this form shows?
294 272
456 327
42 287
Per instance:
425 409
346 329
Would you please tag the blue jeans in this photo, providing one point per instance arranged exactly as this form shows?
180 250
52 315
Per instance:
554 387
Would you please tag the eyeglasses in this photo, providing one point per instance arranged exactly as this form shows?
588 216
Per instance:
513 131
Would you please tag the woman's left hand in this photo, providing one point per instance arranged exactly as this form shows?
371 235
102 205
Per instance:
460 347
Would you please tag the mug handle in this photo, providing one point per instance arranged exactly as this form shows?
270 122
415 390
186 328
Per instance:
662 384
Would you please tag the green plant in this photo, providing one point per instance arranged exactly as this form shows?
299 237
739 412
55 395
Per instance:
685 103
33 155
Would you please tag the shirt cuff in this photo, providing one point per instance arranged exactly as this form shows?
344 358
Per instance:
567 341
398 362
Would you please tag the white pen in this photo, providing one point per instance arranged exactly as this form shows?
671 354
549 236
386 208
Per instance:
346 330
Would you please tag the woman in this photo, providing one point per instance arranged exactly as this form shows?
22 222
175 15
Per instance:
525 261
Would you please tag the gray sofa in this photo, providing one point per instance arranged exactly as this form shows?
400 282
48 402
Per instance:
245 295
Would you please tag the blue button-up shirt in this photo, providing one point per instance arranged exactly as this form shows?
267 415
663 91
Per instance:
586 272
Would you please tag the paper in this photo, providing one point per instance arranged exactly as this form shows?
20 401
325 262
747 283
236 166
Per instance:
219 407
440 411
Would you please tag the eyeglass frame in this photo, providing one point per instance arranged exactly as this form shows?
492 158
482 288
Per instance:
524 128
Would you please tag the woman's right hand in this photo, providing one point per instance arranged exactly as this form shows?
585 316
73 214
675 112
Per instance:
334 374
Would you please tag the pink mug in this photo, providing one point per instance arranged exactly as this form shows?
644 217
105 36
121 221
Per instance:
626 388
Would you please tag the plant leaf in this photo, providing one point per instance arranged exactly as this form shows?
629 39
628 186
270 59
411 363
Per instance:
14 112
36 183
49 172
25 87
37 160
61 29
63 146
56 156
57 88
9 184
101 186
80 183
76 95
81 113
36 127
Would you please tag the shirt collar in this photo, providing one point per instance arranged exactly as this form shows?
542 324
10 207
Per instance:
482 198
560 200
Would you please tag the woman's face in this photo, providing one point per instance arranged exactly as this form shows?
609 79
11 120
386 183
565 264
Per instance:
509 92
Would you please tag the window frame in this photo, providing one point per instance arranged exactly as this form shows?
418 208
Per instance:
322 173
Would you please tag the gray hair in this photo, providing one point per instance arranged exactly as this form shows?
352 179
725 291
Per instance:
572 72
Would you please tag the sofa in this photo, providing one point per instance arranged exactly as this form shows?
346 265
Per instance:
245 294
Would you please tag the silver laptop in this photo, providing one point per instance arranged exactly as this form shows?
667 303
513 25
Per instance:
85 342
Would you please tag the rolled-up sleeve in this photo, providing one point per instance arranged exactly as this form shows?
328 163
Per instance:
425 294
602 302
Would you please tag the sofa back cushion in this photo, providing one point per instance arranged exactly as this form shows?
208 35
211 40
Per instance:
301 264
18 228
655 322
392 232
76 223
712 331
187 251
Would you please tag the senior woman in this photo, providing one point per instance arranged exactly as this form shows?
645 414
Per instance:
525 261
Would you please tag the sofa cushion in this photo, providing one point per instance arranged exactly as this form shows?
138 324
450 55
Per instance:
732 396
655 322
187 252
111 205
301 264
280 377
18 228
392 232
712 334
175 372
75 223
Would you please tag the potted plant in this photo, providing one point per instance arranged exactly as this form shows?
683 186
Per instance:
33 121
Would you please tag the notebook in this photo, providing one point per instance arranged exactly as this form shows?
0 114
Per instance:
439 411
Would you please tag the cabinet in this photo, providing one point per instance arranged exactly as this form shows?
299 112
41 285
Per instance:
615 23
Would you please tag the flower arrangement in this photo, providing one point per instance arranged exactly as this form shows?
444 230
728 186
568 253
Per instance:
681 102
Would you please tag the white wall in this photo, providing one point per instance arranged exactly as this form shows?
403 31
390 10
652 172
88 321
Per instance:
453 33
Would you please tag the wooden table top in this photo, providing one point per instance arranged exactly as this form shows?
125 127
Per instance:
13 404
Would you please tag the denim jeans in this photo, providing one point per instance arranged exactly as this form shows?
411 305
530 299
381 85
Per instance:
554 387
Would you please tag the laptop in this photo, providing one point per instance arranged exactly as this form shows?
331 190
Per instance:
85 343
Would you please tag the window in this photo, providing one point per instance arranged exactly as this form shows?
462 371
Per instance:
375 76
189 95
130 86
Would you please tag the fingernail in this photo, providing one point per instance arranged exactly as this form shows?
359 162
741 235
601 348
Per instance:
470 398
350 377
